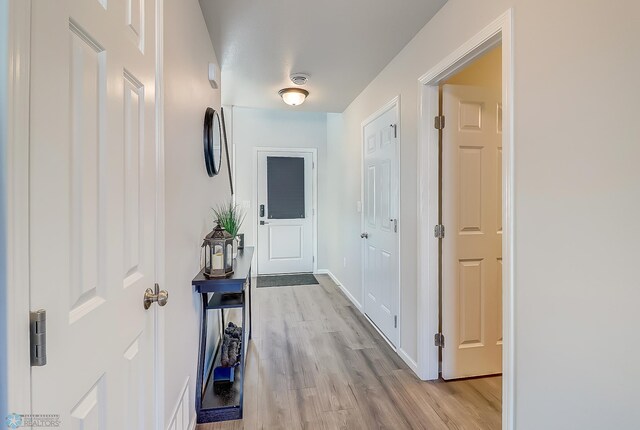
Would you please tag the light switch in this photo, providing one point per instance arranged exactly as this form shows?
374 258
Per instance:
359 206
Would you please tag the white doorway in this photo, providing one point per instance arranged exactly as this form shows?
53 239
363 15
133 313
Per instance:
286 206
496 33
380 214
93 211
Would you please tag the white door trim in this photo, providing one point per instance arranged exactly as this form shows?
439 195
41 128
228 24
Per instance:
18 294
498 31
158 315
394 103
314 186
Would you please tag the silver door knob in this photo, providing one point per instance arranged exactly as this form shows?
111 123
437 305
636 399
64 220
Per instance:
151 296
365 235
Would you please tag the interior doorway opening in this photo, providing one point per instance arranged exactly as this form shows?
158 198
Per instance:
495 35
470 208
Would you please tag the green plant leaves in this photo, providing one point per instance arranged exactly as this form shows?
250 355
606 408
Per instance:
230 216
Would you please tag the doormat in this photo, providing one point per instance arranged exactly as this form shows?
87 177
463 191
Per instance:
286 280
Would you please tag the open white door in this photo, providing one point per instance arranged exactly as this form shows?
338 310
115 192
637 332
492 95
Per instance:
285 212
380 223
92 173
472 246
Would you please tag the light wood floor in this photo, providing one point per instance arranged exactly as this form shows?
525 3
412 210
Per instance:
316 363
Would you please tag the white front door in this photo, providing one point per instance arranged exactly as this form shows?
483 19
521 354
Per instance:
285 212
380 223
472 246
92 197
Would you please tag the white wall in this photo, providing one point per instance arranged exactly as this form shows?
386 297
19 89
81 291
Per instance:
189 195
577 205
254 128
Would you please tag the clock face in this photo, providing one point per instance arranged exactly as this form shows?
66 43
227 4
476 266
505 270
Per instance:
212 142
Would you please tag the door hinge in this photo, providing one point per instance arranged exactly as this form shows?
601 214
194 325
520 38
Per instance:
395 130
395 224
438 231
313 164
438 122
38 337
313 259
439 340
395 321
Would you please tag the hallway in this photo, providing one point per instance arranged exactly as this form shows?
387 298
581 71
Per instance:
316 363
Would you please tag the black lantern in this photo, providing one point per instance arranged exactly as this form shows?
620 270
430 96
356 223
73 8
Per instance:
218 259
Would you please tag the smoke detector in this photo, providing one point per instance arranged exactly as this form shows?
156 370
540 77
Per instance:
299 78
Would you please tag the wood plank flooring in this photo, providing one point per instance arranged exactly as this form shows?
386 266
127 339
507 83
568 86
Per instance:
316 363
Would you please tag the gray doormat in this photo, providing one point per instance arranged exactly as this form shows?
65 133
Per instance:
286 280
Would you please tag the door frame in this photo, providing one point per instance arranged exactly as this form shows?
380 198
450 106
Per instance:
160 261
17 162
314 197
500 30
18 211
394 103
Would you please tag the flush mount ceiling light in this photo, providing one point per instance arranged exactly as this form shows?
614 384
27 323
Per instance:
293 96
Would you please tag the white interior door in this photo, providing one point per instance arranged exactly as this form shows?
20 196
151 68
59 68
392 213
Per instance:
92 197
285 212
472 246
380 223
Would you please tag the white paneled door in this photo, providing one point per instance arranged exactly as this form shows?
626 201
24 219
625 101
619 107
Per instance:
285 212
472 246
380 223
92 197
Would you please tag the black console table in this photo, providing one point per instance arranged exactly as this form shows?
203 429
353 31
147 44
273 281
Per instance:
221 294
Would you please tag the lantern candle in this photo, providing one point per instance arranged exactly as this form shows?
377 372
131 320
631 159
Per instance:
218 260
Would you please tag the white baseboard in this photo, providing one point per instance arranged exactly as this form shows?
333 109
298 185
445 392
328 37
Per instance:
413 365
408 361
346 292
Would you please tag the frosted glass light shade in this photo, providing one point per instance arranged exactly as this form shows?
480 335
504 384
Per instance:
293 96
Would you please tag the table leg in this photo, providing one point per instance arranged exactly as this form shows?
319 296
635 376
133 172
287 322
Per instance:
203 351
223 326
250 307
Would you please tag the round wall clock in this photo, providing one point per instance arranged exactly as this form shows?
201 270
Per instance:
212 142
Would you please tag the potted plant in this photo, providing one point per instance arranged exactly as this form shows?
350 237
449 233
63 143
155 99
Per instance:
230 216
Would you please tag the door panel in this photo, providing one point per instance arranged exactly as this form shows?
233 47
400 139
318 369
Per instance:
380 255
370 203
384 192
471 324
133 156
134 386
285 241
92 221
89 413
285 232
471 264
470 205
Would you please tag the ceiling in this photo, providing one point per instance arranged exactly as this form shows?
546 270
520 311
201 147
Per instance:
342 44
